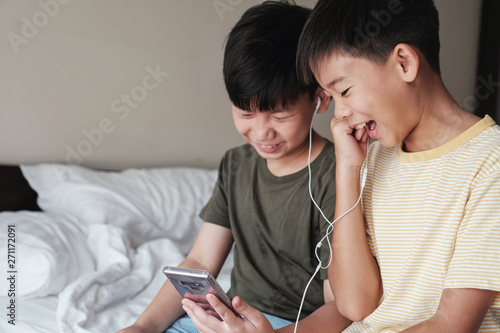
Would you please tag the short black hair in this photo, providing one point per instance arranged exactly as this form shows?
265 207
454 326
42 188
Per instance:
260 57
368 28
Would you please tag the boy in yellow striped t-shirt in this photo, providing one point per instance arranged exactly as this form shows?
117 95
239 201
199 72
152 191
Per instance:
422 252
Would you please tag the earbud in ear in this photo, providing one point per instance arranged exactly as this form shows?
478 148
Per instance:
317 105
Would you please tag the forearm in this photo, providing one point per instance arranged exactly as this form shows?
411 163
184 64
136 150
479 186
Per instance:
162 311
325 319
353 274
433 325
460 310
426 327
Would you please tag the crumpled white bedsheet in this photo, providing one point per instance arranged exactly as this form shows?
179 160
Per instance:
124 282
123 285
92 260
105 299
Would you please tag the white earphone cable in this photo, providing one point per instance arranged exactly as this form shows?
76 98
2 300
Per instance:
329 230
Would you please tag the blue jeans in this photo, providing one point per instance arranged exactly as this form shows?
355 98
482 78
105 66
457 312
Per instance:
185 325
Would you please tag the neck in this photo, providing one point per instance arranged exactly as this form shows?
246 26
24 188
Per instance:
440 120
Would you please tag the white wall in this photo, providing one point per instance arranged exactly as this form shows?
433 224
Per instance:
76 83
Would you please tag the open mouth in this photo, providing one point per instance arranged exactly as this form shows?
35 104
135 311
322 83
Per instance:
369 124
269 148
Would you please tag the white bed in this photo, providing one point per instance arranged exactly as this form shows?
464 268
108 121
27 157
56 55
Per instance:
91 260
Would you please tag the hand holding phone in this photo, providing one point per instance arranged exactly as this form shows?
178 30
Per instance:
195 284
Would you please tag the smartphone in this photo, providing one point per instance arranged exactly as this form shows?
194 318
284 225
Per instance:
195 284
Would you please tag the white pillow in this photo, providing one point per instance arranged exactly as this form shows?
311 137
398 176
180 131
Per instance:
50 251
147 203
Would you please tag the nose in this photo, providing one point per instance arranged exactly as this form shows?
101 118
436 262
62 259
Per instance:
263 128
341 110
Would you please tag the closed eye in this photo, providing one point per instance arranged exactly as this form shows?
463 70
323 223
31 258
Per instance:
283 115
345 92
282 118
245 114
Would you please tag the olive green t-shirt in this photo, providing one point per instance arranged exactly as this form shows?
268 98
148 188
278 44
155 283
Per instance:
276 227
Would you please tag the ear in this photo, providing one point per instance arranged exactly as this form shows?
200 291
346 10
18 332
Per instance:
325 100
407 61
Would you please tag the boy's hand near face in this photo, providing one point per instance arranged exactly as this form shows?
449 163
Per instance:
357 294
253 321
350 143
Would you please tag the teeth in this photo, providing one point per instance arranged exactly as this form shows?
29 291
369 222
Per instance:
268 146
360 126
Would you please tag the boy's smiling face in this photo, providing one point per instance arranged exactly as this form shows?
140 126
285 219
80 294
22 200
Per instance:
281 135
371 93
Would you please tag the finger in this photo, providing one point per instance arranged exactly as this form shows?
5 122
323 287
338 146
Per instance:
200 300
337 122
254 316
197 322
202 320
360 133
341 126
212 312
201 328
222 310
365 137
196 298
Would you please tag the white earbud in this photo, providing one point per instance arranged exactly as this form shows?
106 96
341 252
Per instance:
317 106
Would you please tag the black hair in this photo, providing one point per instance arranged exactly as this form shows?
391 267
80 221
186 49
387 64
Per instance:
368 28
260 56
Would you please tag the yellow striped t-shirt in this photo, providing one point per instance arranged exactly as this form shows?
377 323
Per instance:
433 220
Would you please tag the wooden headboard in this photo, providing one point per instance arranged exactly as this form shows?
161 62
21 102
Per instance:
15 192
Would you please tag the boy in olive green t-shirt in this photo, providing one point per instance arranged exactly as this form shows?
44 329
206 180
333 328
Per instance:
261 202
